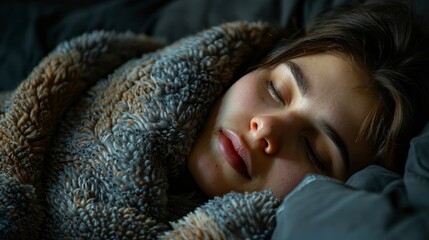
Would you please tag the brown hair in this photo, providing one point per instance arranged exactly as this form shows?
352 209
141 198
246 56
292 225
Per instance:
389 44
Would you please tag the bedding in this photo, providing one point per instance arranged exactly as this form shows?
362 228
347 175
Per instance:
373 204
29 29
100 161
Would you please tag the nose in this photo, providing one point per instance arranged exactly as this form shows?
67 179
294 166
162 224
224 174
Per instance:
270 132
263 131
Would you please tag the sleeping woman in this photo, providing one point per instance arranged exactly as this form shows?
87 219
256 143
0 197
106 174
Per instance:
350 92
107 135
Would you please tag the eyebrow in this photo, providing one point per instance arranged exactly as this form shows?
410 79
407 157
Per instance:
298 76
302 83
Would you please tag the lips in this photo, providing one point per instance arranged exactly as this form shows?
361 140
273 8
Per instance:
234 152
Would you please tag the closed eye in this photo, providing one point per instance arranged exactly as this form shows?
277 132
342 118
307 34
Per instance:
275 93
313 157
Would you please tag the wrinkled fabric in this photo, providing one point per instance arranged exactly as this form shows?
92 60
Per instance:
374 203
416 177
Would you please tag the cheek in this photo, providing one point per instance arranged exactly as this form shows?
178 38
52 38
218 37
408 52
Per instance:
205 169
285 177
242 96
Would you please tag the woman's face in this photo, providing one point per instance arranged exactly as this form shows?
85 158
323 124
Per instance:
274 126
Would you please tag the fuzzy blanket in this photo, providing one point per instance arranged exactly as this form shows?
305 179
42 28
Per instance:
91 141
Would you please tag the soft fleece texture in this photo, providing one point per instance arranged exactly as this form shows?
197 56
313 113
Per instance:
91 140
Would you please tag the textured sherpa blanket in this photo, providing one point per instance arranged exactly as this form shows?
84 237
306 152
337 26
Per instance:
91 140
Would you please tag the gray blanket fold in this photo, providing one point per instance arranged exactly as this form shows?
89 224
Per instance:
90 140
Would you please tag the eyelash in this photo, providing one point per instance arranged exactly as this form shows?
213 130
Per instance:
274 92
312 157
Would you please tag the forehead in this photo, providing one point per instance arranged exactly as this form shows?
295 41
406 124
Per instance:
339 94
335 68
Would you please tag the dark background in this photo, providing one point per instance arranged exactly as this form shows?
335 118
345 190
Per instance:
29 30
